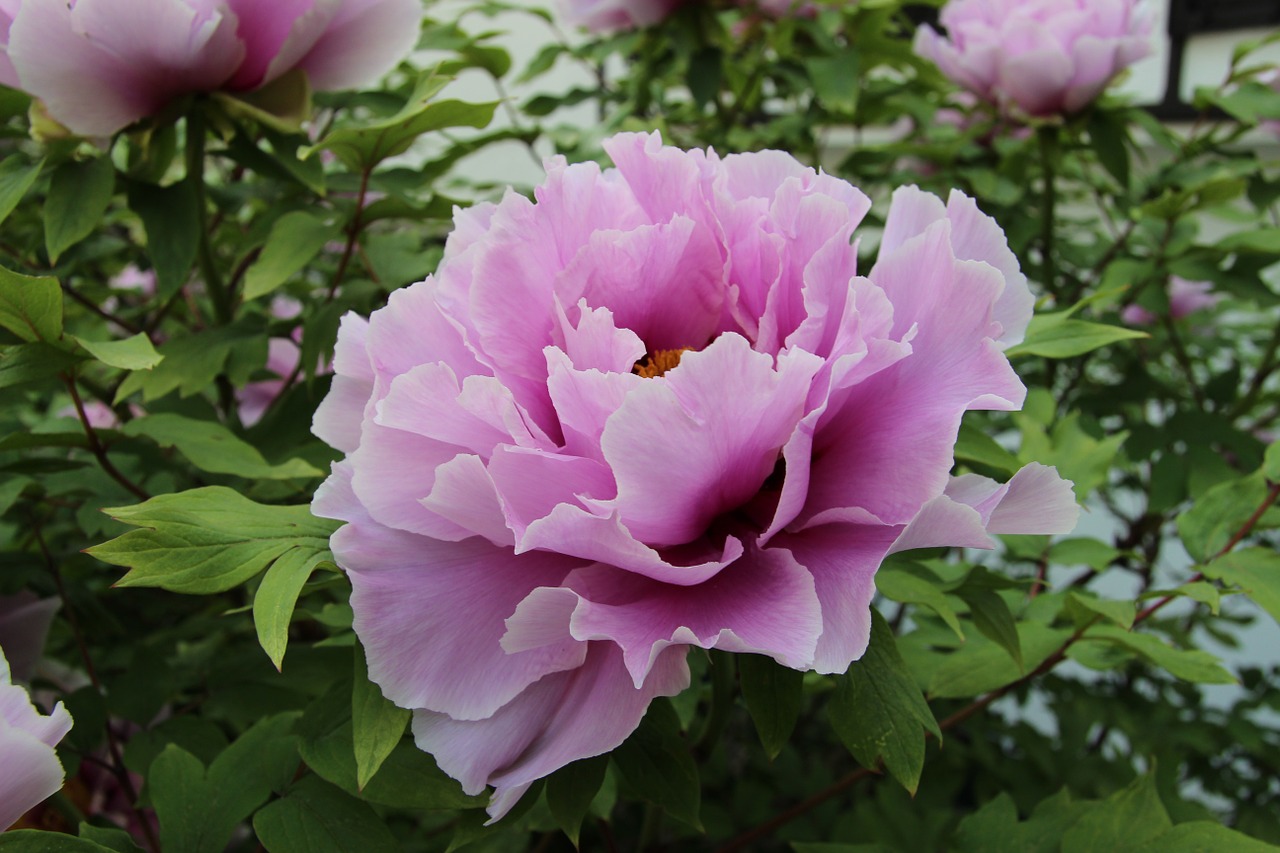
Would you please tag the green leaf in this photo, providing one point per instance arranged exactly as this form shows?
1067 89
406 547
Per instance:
407 779
192 362
281 105
17 175
992 617
1056 336
980 666
911 583
42 841
198 813
32 363
211 447
171 218
1082 552
263 760
1260 240
570 791
31 307
79 193
1205 593
1109 134
365 146
1218 514
109 837
1256 571
295 239
276 597
994 828
377 723
974 445
774 696
208 539
1125 820
656 764
878 712
1192 665
1087 606
317 817
135 353
1202 836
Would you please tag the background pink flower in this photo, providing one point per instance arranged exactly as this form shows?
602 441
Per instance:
602 16
32 771
1185 297
1037 57
658 407
100 65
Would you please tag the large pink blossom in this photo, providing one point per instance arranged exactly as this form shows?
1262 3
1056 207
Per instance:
100 65
1037 57
31 770
657 407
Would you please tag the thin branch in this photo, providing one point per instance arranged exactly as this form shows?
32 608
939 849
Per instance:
96 447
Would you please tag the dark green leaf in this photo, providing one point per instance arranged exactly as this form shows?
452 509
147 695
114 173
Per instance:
980 666
134 353
79 193
38 841
1256 571
31 307
17 174
317 817
1193 665
1124 821
991 616
1201 836
570 791
171 218
33 363
878 711
295 239
774 696
1218 514
656 764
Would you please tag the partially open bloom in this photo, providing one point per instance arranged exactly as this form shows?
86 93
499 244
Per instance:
657 407
31 771
1185 297
602 16
100 65
1037 57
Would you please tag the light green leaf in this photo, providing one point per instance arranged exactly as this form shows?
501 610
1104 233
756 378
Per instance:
17 174
773 695
1256 571
207 540
1218 514
317 817
79 193
995 828
377 723
276 597
31 307
991 616
878 712
974 445
570 791
1123 821
192 362
1082 552
212 447
365 146
1202 836
1056 336
295 239
1088 606
980 666
135 353
1193 665
116 840
911 583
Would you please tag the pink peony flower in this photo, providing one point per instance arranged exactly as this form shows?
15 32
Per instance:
657 407
1037 57
603 16
1185 297
32 771
100 65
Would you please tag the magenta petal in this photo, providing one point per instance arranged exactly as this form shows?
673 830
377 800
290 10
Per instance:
264 28
578 714
765 605
700 440
843 559
363 41
464 494
431 618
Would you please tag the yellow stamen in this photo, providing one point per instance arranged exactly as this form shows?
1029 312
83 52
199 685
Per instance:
657 363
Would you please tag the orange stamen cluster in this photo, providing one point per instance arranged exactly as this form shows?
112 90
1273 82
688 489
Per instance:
657 363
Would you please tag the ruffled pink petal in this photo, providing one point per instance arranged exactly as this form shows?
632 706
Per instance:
265 28
700 440
532 483
338 418
32 772
842 558
464 493
583 401
766 605
577 714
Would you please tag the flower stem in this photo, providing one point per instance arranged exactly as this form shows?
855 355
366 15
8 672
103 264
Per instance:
195 161
1048 136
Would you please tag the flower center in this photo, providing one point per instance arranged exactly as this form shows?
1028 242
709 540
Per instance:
658 362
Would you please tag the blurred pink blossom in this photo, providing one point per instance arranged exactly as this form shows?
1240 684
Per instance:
657 407
1185 297
31 770
24 624
100 65
601 16
1037 57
